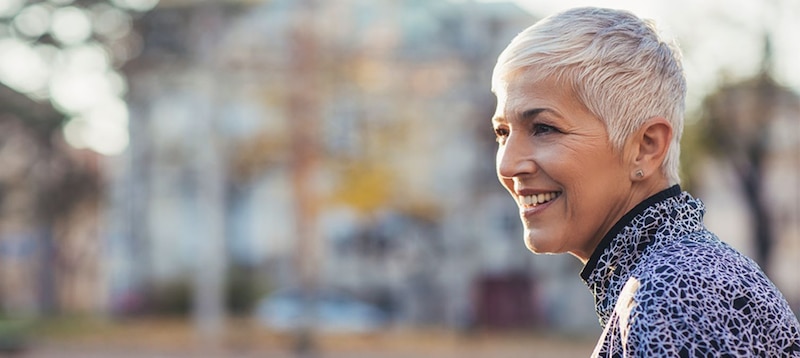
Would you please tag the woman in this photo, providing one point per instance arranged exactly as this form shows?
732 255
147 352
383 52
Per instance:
589 116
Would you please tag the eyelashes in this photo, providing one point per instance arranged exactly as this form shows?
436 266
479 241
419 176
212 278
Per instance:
501 134
537 129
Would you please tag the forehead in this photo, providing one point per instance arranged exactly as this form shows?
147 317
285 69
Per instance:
527 89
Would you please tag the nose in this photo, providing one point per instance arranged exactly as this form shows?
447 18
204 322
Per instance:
515 158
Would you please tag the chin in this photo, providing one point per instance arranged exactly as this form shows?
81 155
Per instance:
540 245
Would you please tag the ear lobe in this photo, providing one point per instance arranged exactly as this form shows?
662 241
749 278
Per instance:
651 143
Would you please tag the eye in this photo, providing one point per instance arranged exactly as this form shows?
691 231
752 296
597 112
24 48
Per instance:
539 129
501 133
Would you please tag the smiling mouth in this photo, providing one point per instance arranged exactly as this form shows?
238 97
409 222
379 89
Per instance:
538 199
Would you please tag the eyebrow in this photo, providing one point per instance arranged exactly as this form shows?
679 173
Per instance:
532 113
526 115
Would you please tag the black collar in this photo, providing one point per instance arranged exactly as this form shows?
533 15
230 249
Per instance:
622 223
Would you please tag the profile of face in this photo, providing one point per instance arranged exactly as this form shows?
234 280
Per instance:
556 160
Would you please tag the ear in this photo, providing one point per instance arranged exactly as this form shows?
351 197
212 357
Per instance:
650 145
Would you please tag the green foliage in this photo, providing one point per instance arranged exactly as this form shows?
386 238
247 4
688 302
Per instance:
694 148
15 334
244 287
172 298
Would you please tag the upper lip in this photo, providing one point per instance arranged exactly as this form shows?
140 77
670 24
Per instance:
532 191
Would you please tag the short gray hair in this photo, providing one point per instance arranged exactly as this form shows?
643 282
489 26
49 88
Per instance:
618 65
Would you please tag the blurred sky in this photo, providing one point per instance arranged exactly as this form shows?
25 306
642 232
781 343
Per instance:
719 38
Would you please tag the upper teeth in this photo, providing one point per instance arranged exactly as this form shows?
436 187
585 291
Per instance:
539 198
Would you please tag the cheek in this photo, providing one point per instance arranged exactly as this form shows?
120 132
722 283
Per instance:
588 158
561 162
582 170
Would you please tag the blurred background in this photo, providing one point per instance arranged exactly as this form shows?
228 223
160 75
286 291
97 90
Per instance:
315 178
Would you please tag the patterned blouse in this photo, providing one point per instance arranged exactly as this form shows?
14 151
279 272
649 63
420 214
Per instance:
664 286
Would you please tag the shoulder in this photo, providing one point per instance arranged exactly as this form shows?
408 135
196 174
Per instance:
701 273
699 261
699 294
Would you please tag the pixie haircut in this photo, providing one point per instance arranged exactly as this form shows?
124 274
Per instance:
617 65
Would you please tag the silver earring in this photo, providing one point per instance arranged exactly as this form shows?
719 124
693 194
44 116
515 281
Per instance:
639 174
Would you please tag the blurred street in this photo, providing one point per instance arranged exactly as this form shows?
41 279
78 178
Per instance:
175 339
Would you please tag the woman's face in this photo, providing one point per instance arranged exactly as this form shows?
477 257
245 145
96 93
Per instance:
556 160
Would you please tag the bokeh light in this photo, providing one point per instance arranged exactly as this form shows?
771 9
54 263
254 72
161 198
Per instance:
87 57
74 68
136 5
110 22
70 25
103 128
76 91
9 8
33 21
21 67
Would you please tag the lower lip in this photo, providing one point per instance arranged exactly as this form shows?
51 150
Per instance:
528 211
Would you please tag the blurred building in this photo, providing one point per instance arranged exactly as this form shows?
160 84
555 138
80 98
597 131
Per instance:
408 212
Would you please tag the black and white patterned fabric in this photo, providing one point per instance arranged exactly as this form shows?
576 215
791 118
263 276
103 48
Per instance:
664 286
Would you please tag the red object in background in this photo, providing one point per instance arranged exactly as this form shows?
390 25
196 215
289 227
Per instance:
505 302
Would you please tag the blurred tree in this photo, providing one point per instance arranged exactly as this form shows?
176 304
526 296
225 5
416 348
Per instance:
67 52
737 122
55 179
27 124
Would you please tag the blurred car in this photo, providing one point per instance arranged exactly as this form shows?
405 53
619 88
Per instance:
326 310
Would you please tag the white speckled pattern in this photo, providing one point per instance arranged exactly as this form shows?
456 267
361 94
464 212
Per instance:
693 296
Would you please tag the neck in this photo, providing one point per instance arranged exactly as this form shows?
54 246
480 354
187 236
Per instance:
640 191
